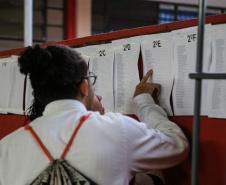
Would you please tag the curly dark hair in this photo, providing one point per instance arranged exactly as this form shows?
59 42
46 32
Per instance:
55 72
34 111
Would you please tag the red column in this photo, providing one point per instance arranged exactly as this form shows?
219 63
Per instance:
70 19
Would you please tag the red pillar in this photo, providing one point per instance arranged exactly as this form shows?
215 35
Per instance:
70 19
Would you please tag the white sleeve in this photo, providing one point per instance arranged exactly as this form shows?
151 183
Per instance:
158 143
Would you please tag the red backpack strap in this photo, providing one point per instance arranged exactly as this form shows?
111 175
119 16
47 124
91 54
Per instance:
28 127
82 120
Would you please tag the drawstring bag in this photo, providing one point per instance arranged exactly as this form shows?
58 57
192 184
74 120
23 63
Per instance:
152 177
59 172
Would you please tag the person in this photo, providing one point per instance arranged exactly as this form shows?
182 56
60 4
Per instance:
152 177
109 148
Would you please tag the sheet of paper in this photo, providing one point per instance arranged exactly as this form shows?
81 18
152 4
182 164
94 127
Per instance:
15 103
85 53
217 88
101 63
28 95
5 66
185 48
157 54
126 75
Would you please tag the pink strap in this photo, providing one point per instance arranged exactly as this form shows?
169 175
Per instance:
28 127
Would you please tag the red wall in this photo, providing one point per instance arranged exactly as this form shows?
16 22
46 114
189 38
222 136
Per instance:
212 156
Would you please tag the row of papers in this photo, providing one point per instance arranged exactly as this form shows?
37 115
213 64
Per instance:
171 55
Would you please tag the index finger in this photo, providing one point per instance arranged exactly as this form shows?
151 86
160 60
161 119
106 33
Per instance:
145 78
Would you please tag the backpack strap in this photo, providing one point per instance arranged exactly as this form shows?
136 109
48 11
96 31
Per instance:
82 120
28 127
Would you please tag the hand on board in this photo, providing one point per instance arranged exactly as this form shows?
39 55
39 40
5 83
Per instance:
144 87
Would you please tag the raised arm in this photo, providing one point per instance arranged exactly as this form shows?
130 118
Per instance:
161 143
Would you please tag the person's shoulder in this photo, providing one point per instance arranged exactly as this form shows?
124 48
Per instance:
108 116
112 117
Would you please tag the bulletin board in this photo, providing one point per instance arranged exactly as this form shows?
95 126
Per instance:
212 159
